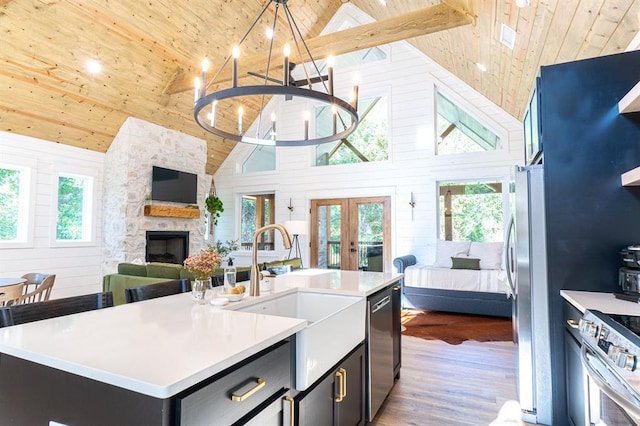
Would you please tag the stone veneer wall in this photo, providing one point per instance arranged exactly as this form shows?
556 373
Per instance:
137 147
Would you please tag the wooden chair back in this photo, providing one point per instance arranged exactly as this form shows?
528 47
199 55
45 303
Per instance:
161 289
218 280
29 312
38 287
11 294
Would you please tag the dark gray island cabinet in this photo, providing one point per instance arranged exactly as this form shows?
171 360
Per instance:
32 394
336 399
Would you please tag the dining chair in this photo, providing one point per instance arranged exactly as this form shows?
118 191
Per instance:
161 289
38 287
29 312
218 280
11 294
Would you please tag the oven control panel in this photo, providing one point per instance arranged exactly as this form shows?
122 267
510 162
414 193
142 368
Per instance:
607 336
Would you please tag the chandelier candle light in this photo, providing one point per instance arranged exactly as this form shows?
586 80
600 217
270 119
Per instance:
242 98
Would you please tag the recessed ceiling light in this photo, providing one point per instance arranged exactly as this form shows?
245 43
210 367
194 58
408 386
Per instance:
481 67
93 66
383 2
522 3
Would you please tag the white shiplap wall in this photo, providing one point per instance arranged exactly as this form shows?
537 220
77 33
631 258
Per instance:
410 80
77 269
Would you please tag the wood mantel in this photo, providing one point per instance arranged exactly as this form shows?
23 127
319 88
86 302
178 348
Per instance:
168 211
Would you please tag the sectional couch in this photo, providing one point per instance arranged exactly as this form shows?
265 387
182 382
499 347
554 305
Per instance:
131 275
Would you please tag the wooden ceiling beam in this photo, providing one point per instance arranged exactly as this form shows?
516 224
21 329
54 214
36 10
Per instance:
402 27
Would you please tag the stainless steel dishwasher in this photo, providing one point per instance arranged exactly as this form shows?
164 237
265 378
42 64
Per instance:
379 350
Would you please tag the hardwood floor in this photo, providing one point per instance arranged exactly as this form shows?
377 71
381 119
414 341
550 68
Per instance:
442 384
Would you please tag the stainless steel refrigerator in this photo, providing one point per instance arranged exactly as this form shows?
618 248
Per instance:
583 213
527 260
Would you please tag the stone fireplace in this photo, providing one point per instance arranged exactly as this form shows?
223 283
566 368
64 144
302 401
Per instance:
167 246
137 147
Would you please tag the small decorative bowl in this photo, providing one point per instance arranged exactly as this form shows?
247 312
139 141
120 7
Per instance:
231 296
219 301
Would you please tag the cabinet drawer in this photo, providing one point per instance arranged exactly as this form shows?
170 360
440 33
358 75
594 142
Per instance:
271 415
233 395
572 317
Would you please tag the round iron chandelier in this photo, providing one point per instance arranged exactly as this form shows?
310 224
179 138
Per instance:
235 98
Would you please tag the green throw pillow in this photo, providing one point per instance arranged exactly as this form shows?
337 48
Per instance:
465 263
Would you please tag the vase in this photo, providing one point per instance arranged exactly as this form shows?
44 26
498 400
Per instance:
199 290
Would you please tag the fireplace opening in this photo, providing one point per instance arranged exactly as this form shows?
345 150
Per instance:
167 246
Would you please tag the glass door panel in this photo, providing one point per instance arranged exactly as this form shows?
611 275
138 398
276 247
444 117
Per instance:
350 234
327 234
370 238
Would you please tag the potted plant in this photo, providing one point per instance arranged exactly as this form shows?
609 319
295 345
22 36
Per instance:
214 207
224 249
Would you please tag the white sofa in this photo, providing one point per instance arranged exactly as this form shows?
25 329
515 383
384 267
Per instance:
466 277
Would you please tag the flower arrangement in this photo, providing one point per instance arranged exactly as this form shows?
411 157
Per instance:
202 266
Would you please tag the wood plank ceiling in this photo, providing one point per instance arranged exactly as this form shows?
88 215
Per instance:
145 45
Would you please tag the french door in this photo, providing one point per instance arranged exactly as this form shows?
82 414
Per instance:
351 234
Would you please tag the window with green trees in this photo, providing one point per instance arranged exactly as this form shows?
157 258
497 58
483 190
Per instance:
75 194
471 211
257 211
459 132
14 202
368 143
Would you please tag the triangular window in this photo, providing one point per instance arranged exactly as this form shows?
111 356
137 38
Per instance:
368 143
459 132
261 159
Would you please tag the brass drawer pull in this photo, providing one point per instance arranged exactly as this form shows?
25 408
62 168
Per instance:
344 381
340 378
341 375
292 410
573 323
396 288
260 383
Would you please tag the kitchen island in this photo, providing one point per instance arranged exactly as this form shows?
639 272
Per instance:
139 363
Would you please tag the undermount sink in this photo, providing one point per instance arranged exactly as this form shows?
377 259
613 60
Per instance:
335 325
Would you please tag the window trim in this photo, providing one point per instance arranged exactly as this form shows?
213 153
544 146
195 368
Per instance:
90 207
29 167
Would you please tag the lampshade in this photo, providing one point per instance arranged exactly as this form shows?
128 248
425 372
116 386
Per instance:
296 227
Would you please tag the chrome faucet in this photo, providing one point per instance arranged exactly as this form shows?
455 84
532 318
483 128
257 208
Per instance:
255 272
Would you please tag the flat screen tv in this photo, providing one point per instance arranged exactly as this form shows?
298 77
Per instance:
174 185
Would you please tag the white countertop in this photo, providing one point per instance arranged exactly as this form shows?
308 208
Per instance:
357 283
603 302
162 346
157 347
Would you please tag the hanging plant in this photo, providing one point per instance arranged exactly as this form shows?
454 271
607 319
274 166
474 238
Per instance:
214 207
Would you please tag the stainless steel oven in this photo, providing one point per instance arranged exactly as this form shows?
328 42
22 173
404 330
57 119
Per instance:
611 359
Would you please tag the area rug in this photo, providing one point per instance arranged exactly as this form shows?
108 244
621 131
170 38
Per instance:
456 328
